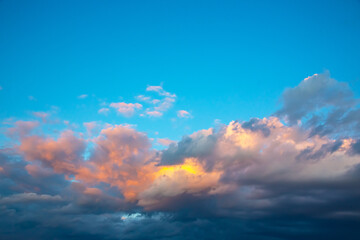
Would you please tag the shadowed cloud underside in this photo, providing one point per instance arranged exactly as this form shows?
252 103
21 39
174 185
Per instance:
294 174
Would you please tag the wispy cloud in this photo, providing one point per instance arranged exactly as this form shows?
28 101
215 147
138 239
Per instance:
82 96
160 91
103 111
183 114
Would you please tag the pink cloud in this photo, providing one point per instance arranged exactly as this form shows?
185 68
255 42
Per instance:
183 114
154 113
22 128
42 115
63 155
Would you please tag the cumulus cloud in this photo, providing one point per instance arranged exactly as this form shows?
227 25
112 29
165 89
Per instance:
286 176
323 104
161 105
156 107
126 109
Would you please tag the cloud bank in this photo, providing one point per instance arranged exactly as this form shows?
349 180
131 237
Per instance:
292 175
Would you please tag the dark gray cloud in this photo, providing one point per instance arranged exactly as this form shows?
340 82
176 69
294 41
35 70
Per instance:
255 125
199 145
322 104
312 94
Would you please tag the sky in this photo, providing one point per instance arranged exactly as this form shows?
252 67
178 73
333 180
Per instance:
179 119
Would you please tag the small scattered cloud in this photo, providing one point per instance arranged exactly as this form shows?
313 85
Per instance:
126 109
103 111
165 141
143 98
43 115
155 106
160 91
154 113
147 99
32 98
183 114
83 96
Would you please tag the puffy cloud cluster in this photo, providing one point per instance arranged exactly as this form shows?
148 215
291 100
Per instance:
127 109
156 107
291 175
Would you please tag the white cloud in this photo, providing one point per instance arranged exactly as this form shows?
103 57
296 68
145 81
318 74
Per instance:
126 109
160 91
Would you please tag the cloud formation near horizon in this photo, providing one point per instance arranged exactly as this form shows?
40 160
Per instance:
247 178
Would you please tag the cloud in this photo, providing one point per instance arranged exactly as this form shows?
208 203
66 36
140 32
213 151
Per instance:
159 105
154 113
126 109
183 114
278 177
160 91
164 104
32 98
322 104
165 141
103 111
22 128
82 96
43 115
29 197
313 93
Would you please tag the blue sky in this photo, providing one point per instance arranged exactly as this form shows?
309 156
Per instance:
224 60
